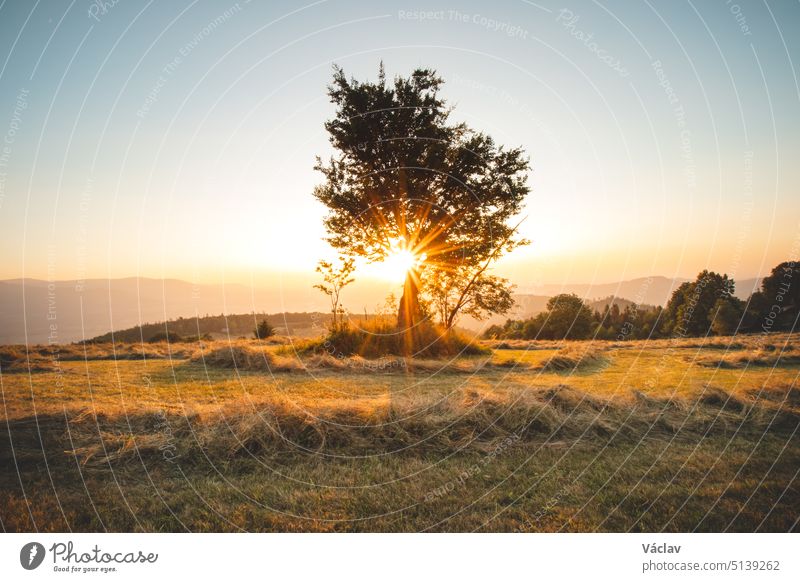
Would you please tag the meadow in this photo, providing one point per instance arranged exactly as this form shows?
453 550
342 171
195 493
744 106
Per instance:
667 435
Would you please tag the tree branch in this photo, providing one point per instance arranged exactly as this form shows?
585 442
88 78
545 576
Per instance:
462 298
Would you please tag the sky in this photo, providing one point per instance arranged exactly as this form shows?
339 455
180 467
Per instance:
178 139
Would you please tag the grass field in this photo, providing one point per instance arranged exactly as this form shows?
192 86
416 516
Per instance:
687 435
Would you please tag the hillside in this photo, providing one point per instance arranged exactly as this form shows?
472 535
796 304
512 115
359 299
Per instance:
222 326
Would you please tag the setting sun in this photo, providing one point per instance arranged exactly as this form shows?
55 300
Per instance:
399 260
398 264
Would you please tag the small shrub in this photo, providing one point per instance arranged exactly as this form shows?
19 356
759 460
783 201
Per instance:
263 330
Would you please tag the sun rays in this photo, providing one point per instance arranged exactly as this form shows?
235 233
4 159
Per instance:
399 260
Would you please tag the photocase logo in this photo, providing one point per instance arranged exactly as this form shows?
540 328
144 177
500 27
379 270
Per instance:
31 555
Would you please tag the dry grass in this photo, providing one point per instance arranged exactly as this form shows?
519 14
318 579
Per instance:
513 344
575 357
43 357
246 435
424 424
764 356
572 358
240 356
248 357
769 342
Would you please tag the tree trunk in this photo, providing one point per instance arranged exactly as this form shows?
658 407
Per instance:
409 312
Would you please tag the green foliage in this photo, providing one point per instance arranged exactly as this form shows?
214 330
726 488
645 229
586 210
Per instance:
632 322
755 309
726 316
707 305
336 278
568 317
449 297
690 310
780 298
263 330
404 172
697 308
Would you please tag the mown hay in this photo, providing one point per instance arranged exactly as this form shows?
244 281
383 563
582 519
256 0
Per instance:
43 357
574 358
240 357
418 424
765 356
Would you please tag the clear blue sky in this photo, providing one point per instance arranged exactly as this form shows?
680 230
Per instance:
177 139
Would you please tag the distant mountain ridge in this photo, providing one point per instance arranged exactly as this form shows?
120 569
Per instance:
34 311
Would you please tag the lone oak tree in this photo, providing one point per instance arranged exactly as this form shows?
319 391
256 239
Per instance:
404 176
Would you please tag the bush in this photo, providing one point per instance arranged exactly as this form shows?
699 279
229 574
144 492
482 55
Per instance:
263 330
381 337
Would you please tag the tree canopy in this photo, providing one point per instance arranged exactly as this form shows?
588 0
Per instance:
404 174
691 309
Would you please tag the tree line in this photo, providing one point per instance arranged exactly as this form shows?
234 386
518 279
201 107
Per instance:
705 306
